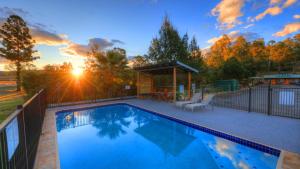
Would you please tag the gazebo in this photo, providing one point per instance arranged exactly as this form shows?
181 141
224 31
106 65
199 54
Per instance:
279 79
153 80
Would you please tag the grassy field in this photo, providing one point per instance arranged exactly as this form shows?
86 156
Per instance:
8 106
9 99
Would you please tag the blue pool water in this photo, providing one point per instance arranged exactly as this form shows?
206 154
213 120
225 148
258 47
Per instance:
125 137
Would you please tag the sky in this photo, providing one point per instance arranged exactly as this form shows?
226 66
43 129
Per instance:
65 29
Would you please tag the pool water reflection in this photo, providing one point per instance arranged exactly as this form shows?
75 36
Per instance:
121 136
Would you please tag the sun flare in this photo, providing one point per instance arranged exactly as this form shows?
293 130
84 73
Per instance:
77 72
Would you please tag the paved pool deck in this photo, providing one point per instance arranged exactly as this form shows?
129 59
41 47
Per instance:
278 132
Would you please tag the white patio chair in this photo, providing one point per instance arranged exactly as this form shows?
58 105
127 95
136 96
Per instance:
206 101
196 98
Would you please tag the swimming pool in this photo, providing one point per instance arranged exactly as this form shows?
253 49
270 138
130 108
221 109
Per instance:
123 136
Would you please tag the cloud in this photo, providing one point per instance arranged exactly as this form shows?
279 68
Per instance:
276 7
270 11
104 43
289 3
6 11
248 26
228 12
272 2
288 29
43 37
38 31
233 35
215 39
297 16
74 49
117 41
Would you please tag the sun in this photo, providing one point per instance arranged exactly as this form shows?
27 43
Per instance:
77 72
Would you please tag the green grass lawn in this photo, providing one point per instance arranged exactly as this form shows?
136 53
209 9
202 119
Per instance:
8 106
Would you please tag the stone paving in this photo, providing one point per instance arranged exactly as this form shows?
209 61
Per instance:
278 132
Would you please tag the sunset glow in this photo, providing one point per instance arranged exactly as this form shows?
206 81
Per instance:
77 72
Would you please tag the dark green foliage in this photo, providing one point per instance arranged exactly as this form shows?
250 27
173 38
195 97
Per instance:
169 46
17 44
232 69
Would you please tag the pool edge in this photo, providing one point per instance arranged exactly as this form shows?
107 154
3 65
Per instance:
52 112
252 144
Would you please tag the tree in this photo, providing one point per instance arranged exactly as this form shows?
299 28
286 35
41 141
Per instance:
193 46
139 61
232 69
259 54
195 56
296 52
108 70
17 44
296 40
280 53
168 46
240 49
219 52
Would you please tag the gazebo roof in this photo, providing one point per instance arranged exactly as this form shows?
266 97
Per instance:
165 67
279 76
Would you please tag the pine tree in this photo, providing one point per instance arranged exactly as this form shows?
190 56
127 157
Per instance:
193 45
168 46
195 55
17 44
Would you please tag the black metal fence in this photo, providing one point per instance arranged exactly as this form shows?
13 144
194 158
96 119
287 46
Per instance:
20 132
271 100
66 96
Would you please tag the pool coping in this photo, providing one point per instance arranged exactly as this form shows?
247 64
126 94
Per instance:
55 164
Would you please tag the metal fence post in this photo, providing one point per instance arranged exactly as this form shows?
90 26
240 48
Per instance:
250 101
269 99
202 93
25 137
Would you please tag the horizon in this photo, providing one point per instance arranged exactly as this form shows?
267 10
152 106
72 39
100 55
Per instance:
63 31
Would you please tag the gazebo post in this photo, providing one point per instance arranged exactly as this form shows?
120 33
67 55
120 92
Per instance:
152 84
138 84
189 84
174 84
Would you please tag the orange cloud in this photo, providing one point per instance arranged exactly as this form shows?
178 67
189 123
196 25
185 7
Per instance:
270 11
228 12
289 3
74 49
297 16
288 29
276 7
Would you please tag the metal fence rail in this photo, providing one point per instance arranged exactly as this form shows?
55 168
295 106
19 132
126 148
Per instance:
271 100
20 132
65 97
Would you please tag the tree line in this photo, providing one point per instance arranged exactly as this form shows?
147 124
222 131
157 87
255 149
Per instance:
227 58
107 72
